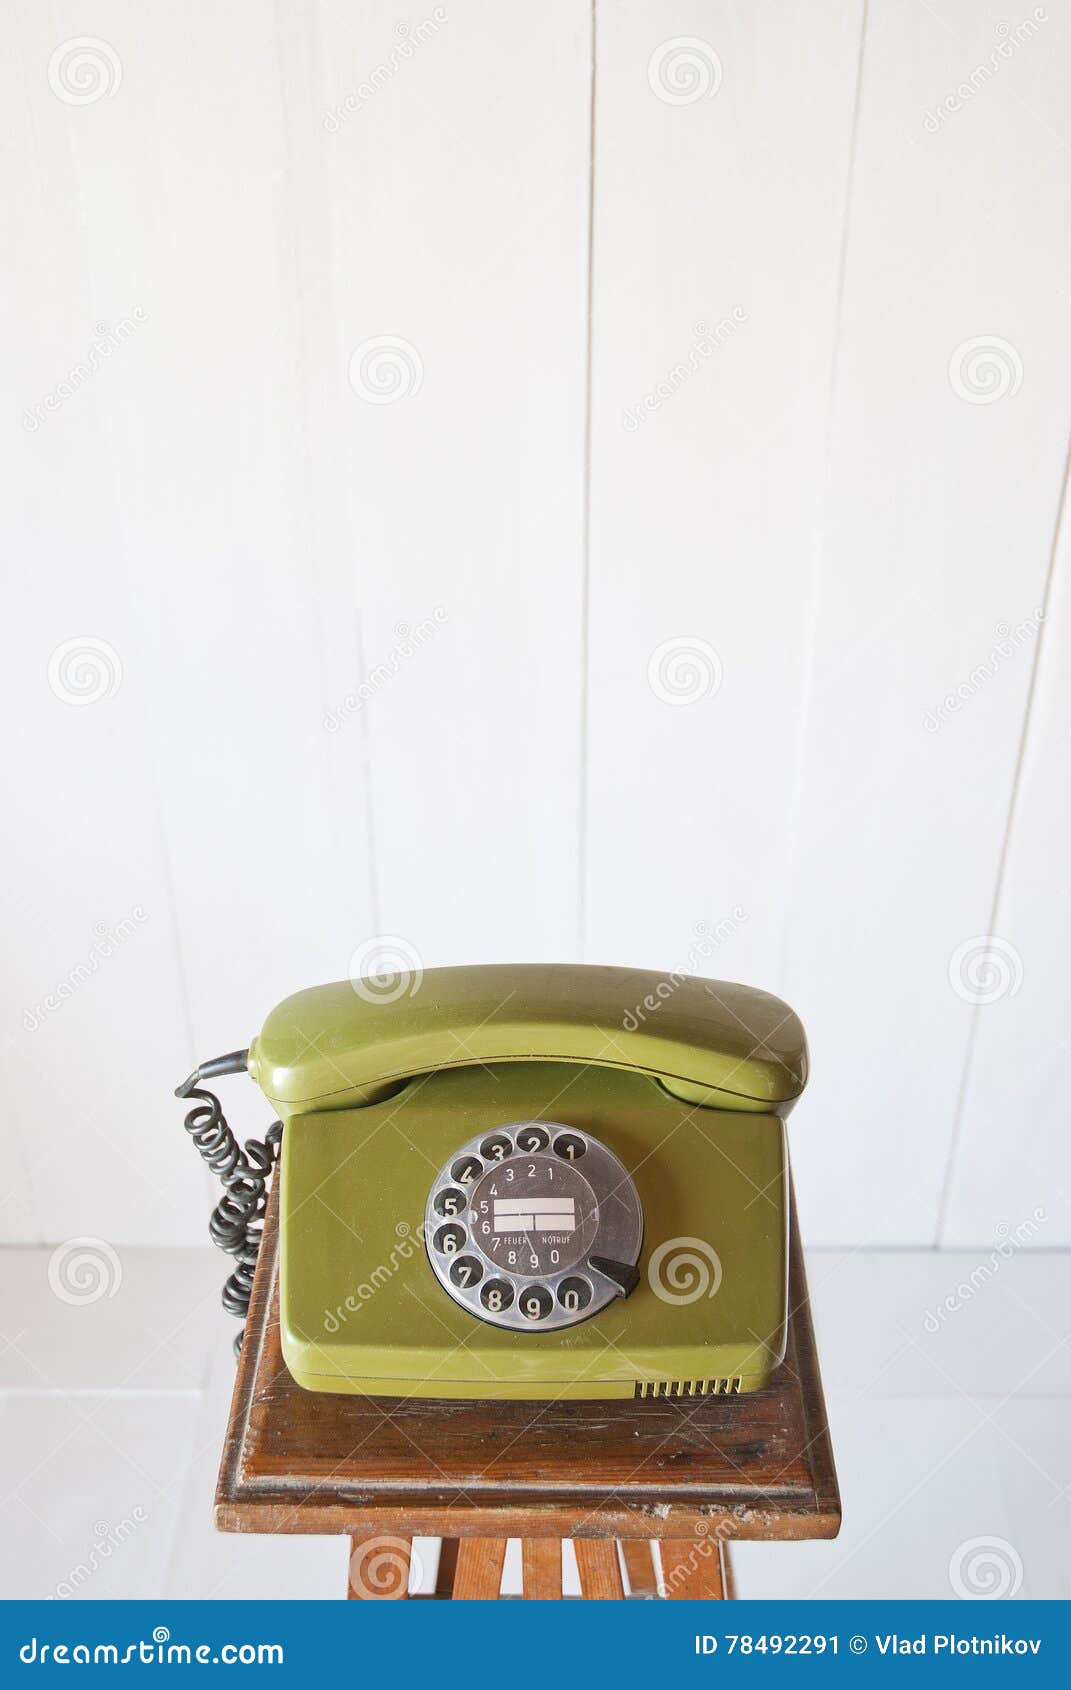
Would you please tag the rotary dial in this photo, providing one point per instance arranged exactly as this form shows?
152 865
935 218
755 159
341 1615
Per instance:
534 1226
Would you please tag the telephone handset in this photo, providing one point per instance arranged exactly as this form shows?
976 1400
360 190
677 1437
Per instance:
520 1181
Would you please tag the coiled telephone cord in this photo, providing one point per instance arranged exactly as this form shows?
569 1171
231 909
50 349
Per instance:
236 1225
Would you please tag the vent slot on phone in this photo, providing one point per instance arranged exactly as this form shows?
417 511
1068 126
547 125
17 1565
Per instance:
727 1387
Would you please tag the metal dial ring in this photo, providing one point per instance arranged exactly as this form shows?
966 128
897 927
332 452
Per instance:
518 1218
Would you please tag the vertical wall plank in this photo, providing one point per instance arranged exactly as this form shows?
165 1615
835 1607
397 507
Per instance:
947 458
1009 1180
93 1009
721 172
212 556
459 193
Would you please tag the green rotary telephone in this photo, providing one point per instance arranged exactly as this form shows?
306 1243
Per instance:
533 1181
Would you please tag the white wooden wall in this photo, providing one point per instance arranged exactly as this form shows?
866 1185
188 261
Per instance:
714 422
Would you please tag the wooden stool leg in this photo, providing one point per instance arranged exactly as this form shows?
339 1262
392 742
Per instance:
447 1568
479 1569
541 1569
379 1569
639 1565
695 1570
599 1569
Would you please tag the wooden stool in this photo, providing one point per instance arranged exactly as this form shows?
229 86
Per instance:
680 1476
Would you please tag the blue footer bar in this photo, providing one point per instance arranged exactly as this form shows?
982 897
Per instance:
517 1644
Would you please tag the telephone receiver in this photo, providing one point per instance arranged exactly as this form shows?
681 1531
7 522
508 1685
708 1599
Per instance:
530 1180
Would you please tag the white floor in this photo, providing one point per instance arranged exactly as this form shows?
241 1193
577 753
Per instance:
950 1435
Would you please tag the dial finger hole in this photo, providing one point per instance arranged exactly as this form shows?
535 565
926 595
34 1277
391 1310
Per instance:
568 1146
574 1295
466 1169
449 1203
449 1239
532 1139
496 1148
465 1272
536 1302
497 1296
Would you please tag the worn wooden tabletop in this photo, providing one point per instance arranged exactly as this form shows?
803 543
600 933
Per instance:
753 1466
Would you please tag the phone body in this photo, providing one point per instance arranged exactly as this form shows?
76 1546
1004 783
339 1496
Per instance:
533 1181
